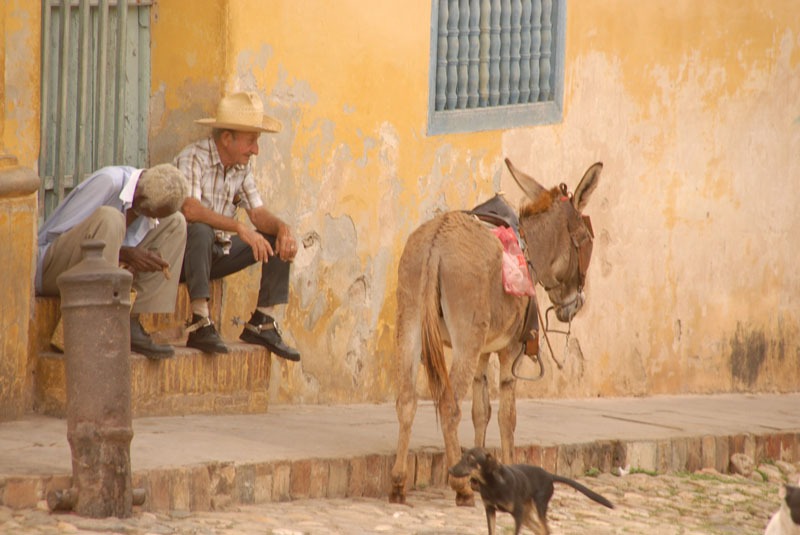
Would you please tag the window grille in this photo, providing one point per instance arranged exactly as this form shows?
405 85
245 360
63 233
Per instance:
495 64
95 91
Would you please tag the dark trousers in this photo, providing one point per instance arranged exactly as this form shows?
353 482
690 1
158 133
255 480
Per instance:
204 261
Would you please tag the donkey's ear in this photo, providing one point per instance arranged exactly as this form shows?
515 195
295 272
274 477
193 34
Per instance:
587 185
529 185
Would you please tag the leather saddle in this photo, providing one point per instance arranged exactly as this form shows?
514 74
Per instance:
496 211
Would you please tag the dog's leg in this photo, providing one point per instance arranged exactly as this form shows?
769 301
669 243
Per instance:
491 519
481 407
536 523
535 516
507 418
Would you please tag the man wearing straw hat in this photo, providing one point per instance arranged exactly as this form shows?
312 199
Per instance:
221 179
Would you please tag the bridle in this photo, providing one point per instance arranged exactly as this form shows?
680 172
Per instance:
581 237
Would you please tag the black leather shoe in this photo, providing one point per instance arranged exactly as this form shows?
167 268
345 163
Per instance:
263 330
204 336
142 343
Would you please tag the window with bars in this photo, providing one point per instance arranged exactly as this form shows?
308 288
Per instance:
95 91
495 64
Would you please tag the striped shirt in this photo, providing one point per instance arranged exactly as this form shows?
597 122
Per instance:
217 188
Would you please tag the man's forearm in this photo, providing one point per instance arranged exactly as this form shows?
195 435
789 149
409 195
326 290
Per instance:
197 213
266 222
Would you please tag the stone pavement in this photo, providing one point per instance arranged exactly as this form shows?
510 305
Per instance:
201 463
704 503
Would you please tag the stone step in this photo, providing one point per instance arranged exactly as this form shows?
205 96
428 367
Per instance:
47 312
189 383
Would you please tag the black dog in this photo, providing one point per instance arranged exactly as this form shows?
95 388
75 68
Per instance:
515 489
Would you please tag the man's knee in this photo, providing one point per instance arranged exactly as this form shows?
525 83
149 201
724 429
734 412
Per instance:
174 223
107 224
109 217
199 233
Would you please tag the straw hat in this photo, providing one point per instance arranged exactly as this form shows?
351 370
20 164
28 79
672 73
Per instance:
243 112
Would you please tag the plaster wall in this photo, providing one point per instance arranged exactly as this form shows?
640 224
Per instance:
19 139
692 107
695 110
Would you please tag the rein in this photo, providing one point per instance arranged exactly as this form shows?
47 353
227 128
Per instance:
582 248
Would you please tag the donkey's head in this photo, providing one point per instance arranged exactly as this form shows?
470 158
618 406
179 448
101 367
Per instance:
558 237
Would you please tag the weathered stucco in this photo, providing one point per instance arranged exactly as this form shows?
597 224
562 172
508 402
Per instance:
694 108
346 171
692 287
19 117
691 107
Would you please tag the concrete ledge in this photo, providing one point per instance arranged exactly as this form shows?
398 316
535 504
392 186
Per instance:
47 312
189 383
213 485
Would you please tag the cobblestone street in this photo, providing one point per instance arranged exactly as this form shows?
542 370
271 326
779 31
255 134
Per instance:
701 503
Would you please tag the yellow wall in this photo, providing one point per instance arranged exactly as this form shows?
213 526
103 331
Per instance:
19 140
693 108
19 116
352 170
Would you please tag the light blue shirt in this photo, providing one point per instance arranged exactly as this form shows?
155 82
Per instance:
110 186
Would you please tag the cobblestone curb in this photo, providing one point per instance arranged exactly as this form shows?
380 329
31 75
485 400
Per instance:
213 486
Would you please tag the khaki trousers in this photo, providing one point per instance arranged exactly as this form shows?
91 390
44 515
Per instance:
154 292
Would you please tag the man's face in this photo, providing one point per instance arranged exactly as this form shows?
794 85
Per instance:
158 212
239 147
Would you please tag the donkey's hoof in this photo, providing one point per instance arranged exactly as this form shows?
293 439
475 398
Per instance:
465 500
397 495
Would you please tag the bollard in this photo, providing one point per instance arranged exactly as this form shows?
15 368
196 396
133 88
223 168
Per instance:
95 305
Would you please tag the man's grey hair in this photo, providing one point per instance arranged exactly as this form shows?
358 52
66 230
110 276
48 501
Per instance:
162 186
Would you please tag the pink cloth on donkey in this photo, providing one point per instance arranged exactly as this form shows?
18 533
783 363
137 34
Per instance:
516 277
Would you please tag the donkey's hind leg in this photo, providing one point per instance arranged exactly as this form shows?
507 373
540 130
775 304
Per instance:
507 415
481 406
465 361
407 362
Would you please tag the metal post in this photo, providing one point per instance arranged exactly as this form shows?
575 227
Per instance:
95 305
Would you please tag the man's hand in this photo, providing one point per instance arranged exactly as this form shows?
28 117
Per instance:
262 250
137 259
285 244
264 221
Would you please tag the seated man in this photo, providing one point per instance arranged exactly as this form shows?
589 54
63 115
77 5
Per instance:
221 178
137 214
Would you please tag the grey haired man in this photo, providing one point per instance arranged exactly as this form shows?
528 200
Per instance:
136 212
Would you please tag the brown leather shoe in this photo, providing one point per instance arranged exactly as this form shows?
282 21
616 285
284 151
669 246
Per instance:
141 342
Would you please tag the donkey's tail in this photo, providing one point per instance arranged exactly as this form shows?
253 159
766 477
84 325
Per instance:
431 336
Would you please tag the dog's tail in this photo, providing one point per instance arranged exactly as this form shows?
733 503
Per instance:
587 492
431 336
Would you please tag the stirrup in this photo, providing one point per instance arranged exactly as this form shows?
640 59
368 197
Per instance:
258 329
192 327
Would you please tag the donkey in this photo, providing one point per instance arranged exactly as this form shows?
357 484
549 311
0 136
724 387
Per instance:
450 292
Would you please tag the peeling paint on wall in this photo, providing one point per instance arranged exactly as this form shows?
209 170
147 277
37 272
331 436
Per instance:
697 130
